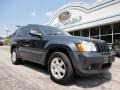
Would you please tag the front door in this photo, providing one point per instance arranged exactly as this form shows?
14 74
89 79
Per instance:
35 46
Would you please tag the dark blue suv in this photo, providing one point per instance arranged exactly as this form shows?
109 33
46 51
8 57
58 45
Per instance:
63 54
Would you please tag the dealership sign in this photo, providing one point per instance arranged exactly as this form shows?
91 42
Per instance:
67 18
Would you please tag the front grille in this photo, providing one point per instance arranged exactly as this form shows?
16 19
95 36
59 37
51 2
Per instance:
102 47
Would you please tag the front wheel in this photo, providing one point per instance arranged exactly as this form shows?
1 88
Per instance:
61 70
14 58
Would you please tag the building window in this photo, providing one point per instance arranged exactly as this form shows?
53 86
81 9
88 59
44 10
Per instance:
94 31
107 38
103 32
76 33
106 29
116 37
85 32
71 33
116 28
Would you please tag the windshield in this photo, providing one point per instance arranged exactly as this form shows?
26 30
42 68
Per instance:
48 30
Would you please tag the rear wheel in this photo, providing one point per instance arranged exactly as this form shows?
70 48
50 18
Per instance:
14 58
60 68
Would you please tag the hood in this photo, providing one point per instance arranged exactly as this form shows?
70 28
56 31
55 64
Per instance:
75 39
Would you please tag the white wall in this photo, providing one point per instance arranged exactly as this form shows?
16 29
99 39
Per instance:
101 14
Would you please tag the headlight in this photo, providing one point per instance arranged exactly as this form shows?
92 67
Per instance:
86 46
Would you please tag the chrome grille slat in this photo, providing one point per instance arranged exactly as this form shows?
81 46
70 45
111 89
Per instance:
102 47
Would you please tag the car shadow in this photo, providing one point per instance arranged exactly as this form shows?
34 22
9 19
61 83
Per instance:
92 81
117 56
35 66
83 82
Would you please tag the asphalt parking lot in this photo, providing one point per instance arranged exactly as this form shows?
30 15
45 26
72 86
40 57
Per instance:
30 76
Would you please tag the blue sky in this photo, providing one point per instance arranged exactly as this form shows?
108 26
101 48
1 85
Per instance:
23 12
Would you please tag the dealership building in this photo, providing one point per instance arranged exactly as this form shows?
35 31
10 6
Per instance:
100 20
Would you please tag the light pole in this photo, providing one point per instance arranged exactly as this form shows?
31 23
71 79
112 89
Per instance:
7 31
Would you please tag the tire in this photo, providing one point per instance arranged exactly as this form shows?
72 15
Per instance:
60 68
14 58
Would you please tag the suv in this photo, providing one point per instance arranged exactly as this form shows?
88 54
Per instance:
63 54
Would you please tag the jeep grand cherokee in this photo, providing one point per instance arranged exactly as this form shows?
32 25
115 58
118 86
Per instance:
63 54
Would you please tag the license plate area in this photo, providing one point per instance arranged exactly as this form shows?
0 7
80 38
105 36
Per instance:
106 58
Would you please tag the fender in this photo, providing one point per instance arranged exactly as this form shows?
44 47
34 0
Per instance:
70 48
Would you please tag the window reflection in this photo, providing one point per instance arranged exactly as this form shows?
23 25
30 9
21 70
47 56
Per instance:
94 31
116 37
106 29
103 32
85 32
77 33
107 38
116 28
71 33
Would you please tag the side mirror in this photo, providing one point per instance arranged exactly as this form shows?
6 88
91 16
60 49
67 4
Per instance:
35 32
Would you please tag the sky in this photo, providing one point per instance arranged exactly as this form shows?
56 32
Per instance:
23 12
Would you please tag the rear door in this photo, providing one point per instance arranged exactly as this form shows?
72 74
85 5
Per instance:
22 41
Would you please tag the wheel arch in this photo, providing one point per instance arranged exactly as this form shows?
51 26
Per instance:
64 49
12 48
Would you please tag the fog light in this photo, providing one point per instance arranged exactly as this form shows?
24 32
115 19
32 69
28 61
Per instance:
89 68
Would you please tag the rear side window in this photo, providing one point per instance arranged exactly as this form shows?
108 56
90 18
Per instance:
16 33
24 32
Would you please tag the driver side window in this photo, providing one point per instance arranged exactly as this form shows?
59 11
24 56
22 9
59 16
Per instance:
35 28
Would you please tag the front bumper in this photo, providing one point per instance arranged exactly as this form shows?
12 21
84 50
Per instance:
88 63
